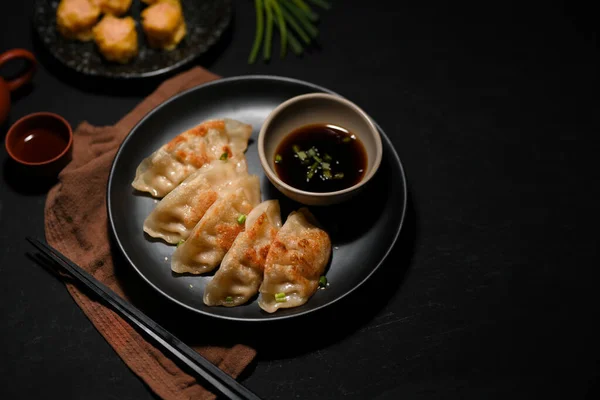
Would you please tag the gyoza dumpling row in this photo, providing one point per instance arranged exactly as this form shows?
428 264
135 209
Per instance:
284 264
179 211
173 162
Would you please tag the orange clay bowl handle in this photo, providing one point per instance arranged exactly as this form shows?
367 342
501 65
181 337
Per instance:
14 54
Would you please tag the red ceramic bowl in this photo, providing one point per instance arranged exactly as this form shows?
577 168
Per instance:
41 141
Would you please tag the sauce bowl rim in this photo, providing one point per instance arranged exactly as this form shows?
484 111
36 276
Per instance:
373 131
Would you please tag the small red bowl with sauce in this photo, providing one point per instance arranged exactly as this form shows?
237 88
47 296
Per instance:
41 141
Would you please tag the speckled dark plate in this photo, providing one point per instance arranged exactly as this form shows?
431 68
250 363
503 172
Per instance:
362 230
206 20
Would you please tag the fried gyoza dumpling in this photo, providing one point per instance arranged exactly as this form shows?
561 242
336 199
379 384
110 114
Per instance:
214 234
116 38
76 18
168 166
297 258
114 7
241 271
163 24
178 212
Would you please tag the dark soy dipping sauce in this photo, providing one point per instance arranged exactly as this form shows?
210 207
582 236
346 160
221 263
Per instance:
338 150
39 145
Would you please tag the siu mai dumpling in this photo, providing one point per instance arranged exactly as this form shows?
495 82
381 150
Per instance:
214 234
297 258
164 24
178 212
113 7
76 18
116 38
168 166
241 271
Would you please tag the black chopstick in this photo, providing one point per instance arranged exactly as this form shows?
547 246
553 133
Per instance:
217 378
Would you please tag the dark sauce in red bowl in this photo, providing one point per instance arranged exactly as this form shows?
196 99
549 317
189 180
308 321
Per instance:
321 158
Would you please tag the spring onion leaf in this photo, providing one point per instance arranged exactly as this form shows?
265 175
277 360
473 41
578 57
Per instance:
327 174
229 299
294 43
306 9
339 175
322 281
312 170
295 148
224 157
302 155
280 297
302 5
346 139
258 4
241 219
321 3
278 158
268 31
279 21
290 20
180 242
311 152
327 157
302 18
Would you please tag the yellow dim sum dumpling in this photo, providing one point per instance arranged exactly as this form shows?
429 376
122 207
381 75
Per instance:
114 7
163 24
116 38
76 18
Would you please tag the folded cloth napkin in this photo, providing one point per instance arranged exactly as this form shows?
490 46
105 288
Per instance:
76 224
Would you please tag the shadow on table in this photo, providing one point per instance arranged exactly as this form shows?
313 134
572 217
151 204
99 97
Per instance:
123 86
24 180
280 338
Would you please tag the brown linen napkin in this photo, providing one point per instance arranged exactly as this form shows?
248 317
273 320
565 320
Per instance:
76 224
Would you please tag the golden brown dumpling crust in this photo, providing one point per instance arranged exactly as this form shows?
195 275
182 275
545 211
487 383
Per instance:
114 7
116 38
76 18
163 24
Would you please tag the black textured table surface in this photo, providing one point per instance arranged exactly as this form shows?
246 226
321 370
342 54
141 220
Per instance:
491 291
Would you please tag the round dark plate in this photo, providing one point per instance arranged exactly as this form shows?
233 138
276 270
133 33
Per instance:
363 230
206 20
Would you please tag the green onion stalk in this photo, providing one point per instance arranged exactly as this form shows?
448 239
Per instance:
295 20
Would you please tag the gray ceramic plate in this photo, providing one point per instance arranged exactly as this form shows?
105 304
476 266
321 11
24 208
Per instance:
363 230
206 20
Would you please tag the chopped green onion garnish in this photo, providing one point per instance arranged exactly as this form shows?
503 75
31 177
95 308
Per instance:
327 174
313 169
280 297
327 157
339 175
346 139
180 242
278 158
323 281
229 299
311 152
224 156
326 165
317 158
301 155
295 148
241 219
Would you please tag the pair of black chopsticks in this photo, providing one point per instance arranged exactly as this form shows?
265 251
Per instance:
215 377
